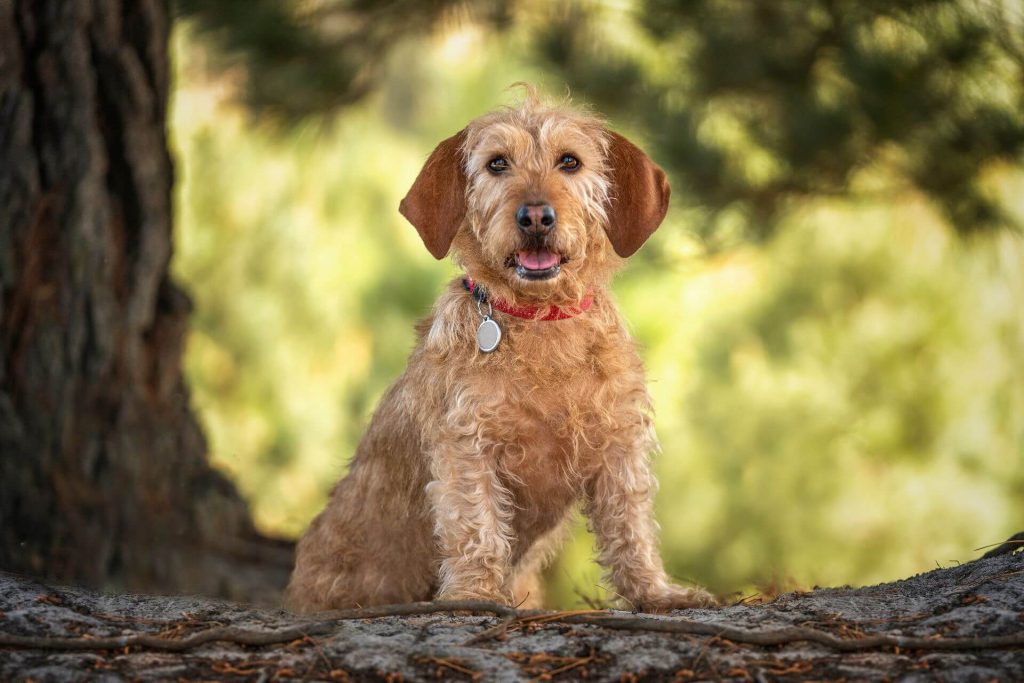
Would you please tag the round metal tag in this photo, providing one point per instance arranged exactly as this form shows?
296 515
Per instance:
488 335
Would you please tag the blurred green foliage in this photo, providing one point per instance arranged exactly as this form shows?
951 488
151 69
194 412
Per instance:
757 103
752 104
307 58
839 401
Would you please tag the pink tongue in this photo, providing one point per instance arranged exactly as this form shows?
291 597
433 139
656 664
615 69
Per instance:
538 260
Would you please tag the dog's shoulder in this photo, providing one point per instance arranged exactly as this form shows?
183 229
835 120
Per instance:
450 324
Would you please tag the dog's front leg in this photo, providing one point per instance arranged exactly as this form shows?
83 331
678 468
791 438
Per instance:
620 508
472 519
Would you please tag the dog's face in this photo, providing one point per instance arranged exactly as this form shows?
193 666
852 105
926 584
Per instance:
537 200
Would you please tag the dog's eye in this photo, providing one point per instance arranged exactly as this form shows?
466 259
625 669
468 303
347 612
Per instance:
569 163
498 165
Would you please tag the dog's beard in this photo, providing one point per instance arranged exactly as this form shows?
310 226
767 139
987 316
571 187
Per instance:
552 268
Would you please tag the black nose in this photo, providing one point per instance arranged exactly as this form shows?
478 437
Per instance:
535 219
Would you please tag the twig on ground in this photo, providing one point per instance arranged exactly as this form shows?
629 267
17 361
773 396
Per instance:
1015 542
453 664
323 625
503 626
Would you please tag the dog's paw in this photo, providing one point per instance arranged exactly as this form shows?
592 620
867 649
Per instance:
676 597
478 596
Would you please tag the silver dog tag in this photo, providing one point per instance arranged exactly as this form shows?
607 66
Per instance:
488 335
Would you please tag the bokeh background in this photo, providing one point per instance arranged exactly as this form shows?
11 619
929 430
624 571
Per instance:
832 315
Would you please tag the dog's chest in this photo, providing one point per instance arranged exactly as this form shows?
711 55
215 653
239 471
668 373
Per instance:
551 417
563 395
552 442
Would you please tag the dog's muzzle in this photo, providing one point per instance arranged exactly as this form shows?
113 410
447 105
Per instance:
535 261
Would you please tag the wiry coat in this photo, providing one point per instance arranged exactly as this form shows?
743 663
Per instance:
473 461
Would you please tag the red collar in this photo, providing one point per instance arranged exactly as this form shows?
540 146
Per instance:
528 312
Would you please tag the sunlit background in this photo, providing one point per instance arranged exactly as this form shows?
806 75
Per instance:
834 339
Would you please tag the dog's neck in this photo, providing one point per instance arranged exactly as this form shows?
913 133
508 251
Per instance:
528 312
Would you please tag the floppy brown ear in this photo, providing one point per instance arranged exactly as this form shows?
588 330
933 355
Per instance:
436 203
639 196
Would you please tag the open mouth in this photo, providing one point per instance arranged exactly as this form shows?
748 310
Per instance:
536 264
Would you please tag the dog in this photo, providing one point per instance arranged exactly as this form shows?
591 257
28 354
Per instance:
524 393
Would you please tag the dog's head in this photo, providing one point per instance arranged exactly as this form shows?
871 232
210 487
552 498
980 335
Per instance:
537 200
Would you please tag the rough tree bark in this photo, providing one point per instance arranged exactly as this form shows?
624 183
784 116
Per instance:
958 624
103 473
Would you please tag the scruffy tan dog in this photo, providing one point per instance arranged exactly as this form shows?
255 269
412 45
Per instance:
524 393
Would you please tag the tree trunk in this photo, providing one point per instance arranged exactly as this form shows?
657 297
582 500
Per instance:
103 473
